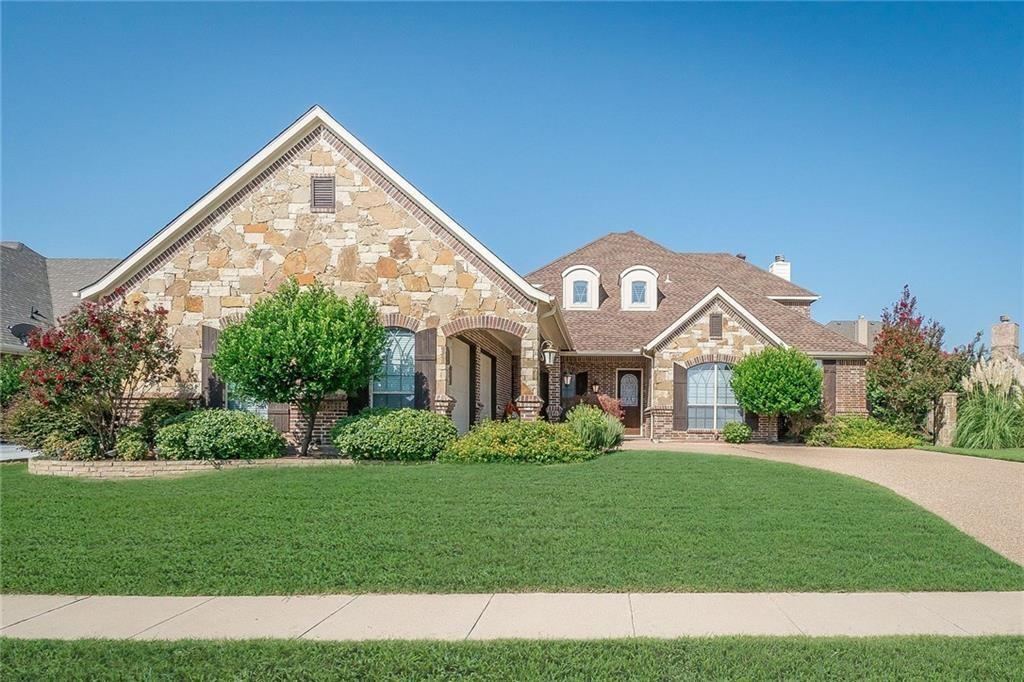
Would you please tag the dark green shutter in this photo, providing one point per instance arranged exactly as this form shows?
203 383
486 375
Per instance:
679 416
426 368
212 387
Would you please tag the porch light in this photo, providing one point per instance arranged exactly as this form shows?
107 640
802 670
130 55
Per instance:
549 353
568 377
595 387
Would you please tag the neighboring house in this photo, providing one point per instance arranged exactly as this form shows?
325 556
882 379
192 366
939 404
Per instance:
861 330
468 335
36 291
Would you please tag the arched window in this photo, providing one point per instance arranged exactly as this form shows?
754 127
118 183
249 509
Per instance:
639 287
395 385
580 288
710 402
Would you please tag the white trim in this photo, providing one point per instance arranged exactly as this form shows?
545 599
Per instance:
581 273
804 299
838 354
601 353
589 269
14 349
638 268
295 132
717 292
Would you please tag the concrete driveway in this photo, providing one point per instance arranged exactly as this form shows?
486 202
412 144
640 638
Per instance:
982 497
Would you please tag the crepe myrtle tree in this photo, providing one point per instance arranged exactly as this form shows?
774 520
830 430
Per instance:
99 360
300 345
777 381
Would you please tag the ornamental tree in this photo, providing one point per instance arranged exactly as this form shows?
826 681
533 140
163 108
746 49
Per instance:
99 360
777 381
298 346
908 370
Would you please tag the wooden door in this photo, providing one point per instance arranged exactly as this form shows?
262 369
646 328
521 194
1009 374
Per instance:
630 392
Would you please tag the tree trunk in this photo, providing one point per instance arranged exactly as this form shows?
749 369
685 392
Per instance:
310 413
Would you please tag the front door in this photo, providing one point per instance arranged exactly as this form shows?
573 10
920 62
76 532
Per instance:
630 391
458 359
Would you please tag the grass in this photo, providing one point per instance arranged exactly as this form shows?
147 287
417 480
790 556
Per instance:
1009 454
628 521
892 658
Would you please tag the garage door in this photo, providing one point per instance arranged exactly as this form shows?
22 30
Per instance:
458 358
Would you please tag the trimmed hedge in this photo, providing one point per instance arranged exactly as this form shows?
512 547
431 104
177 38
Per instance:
597 429
406 435
158 412
536 442
29 424
851 431
736 432
219 434
132 443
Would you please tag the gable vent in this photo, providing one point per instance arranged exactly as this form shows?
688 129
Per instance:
322 194
716 325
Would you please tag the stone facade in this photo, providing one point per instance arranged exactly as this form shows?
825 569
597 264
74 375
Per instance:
376 242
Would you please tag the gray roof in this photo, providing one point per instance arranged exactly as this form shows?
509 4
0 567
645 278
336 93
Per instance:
31 282
848 328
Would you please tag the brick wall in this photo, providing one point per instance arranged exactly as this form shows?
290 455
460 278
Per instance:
482 341
851 388
330 412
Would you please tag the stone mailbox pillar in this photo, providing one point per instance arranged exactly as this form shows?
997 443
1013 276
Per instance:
945 416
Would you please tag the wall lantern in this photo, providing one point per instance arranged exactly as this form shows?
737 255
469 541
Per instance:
549 352
596 387
568 377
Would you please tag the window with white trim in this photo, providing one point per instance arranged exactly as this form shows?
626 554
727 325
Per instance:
237 401
639 287
710 401
395 385
581 288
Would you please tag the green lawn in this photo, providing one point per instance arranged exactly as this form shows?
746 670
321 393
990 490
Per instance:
628 521
1011 454
894 658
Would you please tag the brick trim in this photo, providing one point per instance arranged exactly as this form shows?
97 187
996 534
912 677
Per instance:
400 320
710 357
717 303
484 322
212 217
406 202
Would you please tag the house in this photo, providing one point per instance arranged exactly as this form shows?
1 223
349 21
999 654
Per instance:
36 291
861 330
468 336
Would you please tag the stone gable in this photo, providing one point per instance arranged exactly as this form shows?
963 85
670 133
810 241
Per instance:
371 244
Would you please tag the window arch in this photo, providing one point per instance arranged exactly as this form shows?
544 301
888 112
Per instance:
395 384
710 401
580 287
638 286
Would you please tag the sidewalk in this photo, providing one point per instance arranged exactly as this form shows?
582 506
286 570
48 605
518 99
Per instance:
513 616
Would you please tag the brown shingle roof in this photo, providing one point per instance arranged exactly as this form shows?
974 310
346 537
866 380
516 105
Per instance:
683 279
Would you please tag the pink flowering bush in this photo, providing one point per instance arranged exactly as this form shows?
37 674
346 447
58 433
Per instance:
98 360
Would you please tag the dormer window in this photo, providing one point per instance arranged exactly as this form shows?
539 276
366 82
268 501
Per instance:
639 287
580 288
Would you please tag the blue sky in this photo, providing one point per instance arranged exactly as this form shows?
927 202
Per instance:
874 145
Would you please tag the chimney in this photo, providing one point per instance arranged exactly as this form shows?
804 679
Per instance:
781 267
1005 339
862 331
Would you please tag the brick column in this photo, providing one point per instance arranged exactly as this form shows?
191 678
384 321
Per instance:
660 422
946 418
555 389
767 428
529 407
443 404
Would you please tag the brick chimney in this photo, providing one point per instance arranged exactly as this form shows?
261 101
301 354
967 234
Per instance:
781 267
1005 339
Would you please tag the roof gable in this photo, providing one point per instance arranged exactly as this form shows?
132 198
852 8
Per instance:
314 122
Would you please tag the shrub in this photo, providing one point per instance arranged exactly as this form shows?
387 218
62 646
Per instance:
60 446
219 434
737 432
404 435
132 443
298 346
158 411
597 429
990 419
852 431
537 442
604 401
777 381
11 384
28 423
99 360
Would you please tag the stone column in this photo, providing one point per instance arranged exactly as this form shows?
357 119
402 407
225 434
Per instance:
1005 339
945 415
529 363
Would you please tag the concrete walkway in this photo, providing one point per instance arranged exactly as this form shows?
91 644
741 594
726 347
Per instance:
513 616
982 497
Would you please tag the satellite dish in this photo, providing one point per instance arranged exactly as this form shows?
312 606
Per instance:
22 331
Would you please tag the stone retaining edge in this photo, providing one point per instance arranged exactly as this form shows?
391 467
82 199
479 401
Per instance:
110 469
